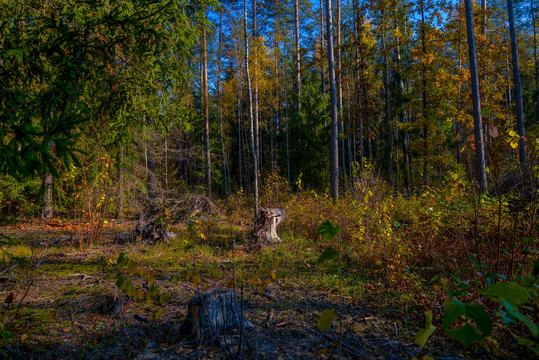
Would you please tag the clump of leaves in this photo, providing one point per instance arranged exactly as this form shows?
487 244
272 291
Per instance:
138 283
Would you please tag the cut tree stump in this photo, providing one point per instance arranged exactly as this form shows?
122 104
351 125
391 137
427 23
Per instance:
213 315
152 232
265 228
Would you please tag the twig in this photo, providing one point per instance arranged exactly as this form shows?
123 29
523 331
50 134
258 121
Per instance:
12 267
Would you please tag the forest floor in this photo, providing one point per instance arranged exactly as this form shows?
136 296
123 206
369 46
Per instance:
52 298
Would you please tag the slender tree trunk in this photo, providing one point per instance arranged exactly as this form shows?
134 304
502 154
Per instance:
47 212
220 99
205 106
239 106
424 96
476 99
387 102
151 166
322 69
338 79
120 211
249 90
255 91
298 56
333 109
287 120
532 9
517 84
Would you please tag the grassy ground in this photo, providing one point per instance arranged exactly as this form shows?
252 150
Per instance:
53 293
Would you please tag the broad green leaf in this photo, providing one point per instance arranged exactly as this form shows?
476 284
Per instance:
328 230
131 268
513 312
467 334
326 319
327 254
424 334
120 282
486 112
512 292
122 260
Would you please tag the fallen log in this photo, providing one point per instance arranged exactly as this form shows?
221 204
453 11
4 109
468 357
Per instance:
213 315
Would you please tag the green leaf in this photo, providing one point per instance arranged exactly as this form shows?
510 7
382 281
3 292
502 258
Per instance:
486 112
327 254
123 260
424 334
121 283
6 334
328 230
131 268
156 315
512 292
467 334
326 319
513 312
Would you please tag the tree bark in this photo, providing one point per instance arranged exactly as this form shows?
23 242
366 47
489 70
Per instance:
532 9
255 92
476 99
205 105
517 84
212 315
220 99
47 212
298 56
333 105
322 70
249 90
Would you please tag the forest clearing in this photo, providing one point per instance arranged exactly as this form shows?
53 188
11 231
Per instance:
287 179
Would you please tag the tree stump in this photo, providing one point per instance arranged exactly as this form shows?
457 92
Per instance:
265 228
212 315
152 232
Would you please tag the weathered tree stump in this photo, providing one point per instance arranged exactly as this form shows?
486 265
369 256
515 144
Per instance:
213 315
152 232
265 228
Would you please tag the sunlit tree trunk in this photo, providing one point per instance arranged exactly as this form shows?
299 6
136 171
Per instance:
255 92
47 212
220 99
476 99
249 90
333 105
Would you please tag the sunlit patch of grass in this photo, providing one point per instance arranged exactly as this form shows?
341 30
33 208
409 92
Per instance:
7 253
64 269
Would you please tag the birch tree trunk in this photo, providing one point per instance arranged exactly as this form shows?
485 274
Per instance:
333 106
249 90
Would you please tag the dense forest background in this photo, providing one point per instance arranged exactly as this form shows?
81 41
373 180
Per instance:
411 125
